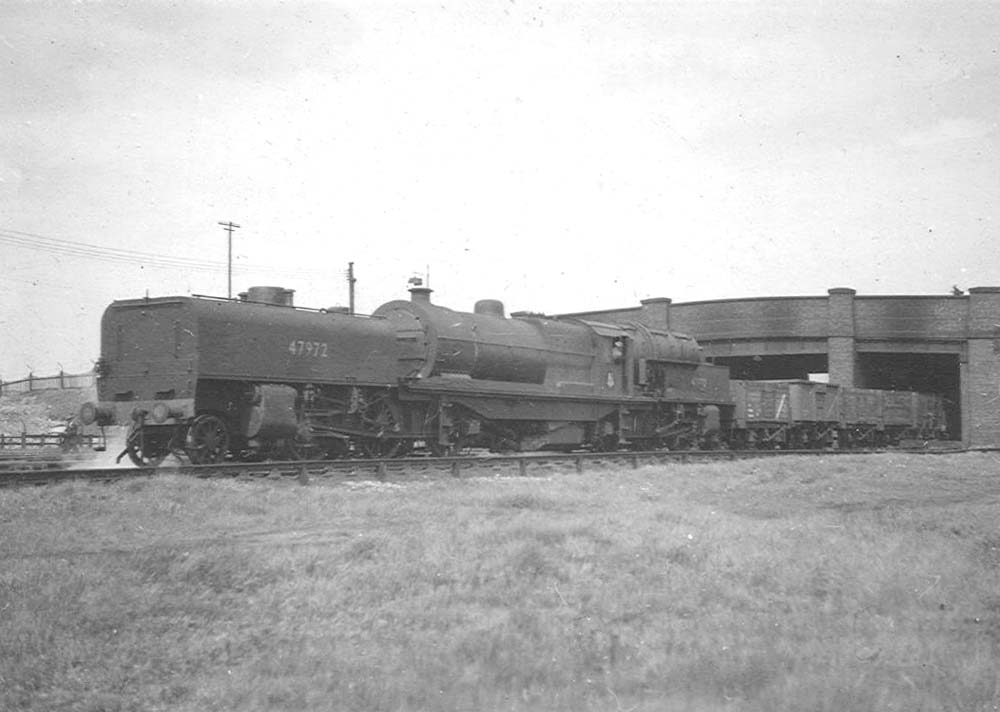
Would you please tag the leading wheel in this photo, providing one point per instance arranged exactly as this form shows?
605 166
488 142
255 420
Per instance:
207 440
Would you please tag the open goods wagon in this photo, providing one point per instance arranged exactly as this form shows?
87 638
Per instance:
807 414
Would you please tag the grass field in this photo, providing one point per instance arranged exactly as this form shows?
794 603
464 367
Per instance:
827 583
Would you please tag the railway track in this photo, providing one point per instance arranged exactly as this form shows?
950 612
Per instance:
41 459
43 472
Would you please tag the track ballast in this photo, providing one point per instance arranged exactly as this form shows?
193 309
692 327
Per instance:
418 468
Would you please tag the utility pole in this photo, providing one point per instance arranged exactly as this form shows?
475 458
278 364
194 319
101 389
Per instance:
229 227
350 286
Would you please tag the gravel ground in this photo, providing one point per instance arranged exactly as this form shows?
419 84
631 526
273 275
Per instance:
40 411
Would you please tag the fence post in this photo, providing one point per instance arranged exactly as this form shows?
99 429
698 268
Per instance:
62 386
30 376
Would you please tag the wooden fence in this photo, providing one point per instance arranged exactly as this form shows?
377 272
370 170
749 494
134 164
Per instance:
64 441
48 383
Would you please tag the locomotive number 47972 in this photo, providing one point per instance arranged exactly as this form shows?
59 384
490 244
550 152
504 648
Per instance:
314 349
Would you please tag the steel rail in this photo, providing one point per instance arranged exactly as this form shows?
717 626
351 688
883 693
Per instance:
425 468
48 459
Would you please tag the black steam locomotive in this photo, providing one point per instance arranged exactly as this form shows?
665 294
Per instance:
215 379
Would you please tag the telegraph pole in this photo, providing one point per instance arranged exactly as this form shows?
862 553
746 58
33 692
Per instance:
350 286
229 227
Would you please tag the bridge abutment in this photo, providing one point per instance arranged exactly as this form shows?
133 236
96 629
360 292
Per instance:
842 362
980 369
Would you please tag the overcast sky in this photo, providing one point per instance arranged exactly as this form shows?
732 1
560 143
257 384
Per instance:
557 156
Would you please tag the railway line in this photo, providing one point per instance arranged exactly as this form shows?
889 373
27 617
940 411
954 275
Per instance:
45 472
46 458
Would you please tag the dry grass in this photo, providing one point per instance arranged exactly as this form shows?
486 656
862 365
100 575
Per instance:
849 583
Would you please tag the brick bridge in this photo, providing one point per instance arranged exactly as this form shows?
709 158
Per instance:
942 344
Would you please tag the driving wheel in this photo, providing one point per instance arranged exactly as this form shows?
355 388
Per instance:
207 440
379 419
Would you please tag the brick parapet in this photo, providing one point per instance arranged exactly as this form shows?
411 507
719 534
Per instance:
840 313
984 312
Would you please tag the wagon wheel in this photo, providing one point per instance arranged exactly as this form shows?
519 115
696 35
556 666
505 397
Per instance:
207 440
143 450
379 419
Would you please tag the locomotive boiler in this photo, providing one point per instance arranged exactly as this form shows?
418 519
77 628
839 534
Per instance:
212 379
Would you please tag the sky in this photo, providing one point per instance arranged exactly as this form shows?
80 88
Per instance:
557 156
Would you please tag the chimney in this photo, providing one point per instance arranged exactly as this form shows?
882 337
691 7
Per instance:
421 294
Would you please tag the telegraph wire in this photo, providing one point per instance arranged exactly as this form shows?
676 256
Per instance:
52 244
43 243
109 255
74 243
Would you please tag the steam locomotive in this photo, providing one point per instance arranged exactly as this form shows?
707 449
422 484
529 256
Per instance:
257 377
213 379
